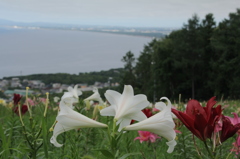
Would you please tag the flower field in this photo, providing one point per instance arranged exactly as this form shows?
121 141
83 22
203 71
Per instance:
124 126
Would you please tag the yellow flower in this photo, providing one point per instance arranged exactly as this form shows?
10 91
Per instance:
2 102
10 105
100 107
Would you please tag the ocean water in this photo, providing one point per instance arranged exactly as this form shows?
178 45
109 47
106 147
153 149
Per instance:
24 52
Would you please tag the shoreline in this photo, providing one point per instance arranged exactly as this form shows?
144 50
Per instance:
135 34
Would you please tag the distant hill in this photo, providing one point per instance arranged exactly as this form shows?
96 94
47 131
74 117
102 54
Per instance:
65 78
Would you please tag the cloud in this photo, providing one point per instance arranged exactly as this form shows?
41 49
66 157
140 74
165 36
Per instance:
160 11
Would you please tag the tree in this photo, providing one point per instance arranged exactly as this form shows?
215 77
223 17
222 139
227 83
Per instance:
205 76
192 52
226 41
129 77
144 71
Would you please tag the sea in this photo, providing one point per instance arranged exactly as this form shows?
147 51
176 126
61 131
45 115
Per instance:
36 51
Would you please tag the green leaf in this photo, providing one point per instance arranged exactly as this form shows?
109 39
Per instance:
130 154
106 153
45 141
5 144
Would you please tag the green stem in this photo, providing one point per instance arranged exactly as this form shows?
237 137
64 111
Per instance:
20 114
113 138
46 105
230 153
154 150
25 135
114 127
29 108
194 141
208 150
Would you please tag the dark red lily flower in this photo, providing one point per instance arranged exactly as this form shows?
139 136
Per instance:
148 112
228 129
16 98
24 109
200 120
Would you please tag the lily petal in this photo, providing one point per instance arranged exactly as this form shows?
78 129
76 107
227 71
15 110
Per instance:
123 123
69 119
161 106
112 97
108 111
72 95
138 116
58 129
95 96
171 144
132 106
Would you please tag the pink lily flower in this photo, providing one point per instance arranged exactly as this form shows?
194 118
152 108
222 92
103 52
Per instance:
146 136
236 146
31 102
235 120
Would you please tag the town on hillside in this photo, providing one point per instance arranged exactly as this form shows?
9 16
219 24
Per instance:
16 86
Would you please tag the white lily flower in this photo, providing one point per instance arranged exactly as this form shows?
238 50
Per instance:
95 97
160 106
69 119
56 99
71 96
125 107
160 123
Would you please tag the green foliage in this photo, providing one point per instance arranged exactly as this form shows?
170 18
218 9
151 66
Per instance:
2 95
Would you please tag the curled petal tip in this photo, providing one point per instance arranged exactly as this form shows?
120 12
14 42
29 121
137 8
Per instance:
168 101
171 145
164 98
54 142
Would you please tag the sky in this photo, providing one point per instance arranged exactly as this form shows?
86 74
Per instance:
133 13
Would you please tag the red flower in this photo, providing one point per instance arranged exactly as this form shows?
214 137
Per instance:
228 129
16 99
200 120
147 112
24 109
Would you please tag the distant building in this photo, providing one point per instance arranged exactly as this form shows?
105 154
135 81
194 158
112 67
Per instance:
82 85
4 84
36 84
86 89
15 82
64 86
56 85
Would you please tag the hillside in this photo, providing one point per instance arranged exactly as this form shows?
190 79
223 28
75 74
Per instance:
65 78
